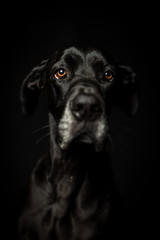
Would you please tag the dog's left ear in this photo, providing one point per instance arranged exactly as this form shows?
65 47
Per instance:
128 94
31 87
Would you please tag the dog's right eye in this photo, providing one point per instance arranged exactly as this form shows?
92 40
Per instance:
60 73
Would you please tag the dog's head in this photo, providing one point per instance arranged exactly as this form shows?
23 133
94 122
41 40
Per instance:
82 86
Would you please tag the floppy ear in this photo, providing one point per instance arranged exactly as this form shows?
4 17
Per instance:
128 98
31 87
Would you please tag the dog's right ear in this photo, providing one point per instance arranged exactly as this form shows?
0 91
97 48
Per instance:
31 87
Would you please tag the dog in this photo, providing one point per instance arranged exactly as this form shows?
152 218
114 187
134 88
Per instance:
69 194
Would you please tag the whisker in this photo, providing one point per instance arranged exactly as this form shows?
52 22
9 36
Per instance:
40 139
41 128
111 141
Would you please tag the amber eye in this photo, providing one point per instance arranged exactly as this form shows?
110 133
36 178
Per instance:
60 73
109 75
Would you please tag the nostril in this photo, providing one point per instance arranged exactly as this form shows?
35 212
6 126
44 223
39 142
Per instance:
95 108
78 111
94 112
78 107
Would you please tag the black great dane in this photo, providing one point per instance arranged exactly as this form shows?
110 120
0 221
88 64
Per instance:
69 192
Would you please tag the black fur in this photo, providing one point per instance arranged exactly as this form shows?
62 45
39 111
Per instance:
69 192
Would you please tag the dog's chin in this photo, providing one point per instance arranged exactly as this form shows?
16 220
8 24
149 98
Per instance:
83 139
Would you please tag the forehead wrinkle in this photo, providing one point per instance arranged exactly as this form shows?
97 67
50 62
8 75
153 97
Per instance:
70 56
95 64
73 55
73 60
95 58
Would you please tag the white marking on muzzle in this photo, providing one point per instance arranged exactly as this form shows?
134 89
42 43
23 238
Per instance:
65 127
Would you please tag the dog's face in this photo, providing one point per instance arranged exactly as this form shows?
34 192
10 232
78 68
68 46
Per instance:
82 86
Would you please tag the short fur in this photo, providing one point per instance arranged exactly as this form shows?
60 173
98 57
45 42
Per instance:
69 192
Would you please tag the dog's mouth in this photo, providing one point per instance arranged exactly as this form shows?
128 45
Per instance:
90 133
84 138
87 139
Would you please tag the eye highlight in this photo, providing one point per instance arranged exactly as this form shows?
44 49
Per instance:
60 73
109 75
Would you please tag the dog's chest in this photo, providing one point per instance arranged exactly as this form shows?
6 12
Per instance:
81 213
89 217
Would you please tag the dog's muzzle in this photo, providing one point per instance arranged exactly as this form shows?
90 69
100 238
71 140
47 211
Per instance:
84 118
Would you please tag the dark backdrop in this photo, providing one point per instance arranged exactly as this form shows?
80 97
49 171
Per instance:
31 34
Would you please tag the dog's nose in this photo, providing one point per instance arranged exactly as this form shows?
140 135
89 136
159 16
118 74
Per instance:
86 107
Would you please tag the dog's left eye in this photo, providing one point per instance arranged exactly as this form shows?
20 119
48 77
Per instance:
109 75
60 73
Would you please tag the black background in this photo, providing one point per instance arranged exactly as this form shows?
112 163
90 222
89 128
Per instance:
127 31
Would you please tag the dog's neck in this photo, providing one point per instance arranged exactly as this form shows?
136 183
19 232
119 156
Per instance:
78 156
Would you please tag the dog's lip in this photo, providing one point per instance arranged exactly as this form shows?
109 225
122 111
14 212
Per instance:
84 137
87 139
